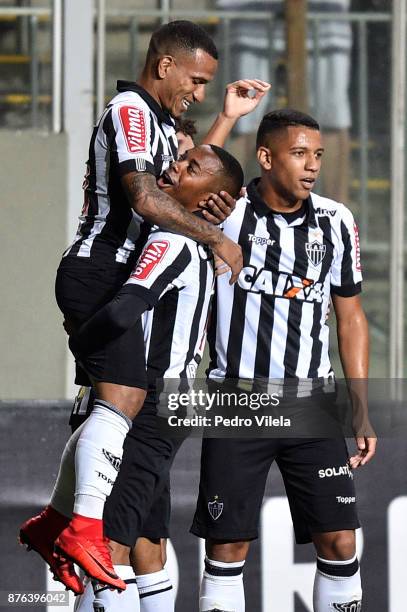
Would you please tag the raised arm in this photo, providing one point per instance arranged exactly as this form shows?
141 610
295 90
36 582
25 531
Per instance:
241 98
160 209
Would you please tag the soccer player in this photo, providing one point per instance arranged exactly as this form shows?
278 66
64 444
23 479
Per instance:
174 274
185 132
299 249
133 142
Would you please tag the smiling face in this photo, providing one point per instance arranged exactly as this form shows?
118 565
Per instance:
183 79
191 178
291 164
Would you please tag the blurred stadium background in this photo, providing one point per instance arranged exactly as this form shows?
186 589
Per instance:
59 62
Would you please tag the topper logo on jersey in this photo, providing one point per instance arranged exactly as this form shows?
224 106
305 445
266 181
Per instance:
261 240
151 256
134 128
315 252
280 284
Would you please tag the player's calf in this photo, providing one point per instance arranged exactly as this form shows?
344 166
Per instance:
153 582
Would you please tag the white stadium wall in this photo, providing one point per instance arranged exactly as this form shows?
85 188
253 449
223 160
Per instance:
33 236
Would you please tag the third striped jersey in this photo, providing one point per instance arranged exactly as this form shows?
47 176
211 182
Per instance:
133 134
272 322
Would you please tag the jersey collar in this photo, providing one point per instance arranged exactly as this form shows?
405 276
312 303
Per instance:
162 115
261 208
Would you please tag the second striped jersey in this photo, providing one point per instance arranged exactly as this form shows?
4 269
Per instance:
272 322
176 274
134 134
179 271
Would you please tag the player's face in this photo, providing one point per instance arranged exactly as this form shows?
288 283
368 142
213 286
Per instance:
292 162
184 143
193 177
185 80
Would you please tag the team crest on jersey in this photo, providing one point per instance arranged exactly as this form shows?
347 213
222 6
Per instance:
350 606
134 128
215 508
315 252
151 257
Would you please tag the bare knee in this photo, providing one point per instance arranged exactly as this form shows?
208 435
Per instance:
119 553
127 399
335 545
146 556
228 552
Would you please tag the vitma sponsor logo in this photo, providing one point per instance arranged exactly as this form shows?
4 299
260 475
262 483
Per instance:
151 256
134 128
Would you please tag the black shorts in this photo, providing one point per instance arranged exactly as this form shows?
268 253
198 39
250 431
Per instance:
83 287
318 483
139 504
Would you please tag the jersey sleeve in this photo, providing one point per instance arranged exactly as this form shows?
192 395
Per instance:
346 272
160 266
133 135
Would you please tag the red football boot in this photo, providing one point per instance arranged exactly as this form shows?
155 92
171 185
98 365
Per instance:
39 533
83 543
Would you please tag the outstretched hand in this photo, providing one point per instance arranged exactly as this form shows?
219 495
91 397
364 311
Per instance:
243 96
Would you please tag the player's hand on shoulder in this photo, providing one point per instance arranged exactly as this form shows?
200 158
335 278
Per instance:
243 96
217 207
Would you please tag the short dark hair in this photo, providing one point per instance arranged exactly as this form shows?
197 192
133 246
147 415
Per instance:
180 36
232 173
281 119
185 126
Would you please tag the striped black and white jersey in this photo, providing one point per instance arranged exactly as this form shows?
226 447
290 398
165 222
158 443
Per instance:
272 322
179 272
133 134
175 329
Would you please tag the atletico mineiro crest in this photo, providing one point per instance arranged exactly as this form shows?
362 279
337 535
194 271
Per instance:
315 251
215 508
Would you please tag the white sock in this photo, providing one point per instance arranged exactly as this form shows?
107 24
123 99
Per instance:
155 592
62 498
84 602
107 600
98 457
222 587
337 586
